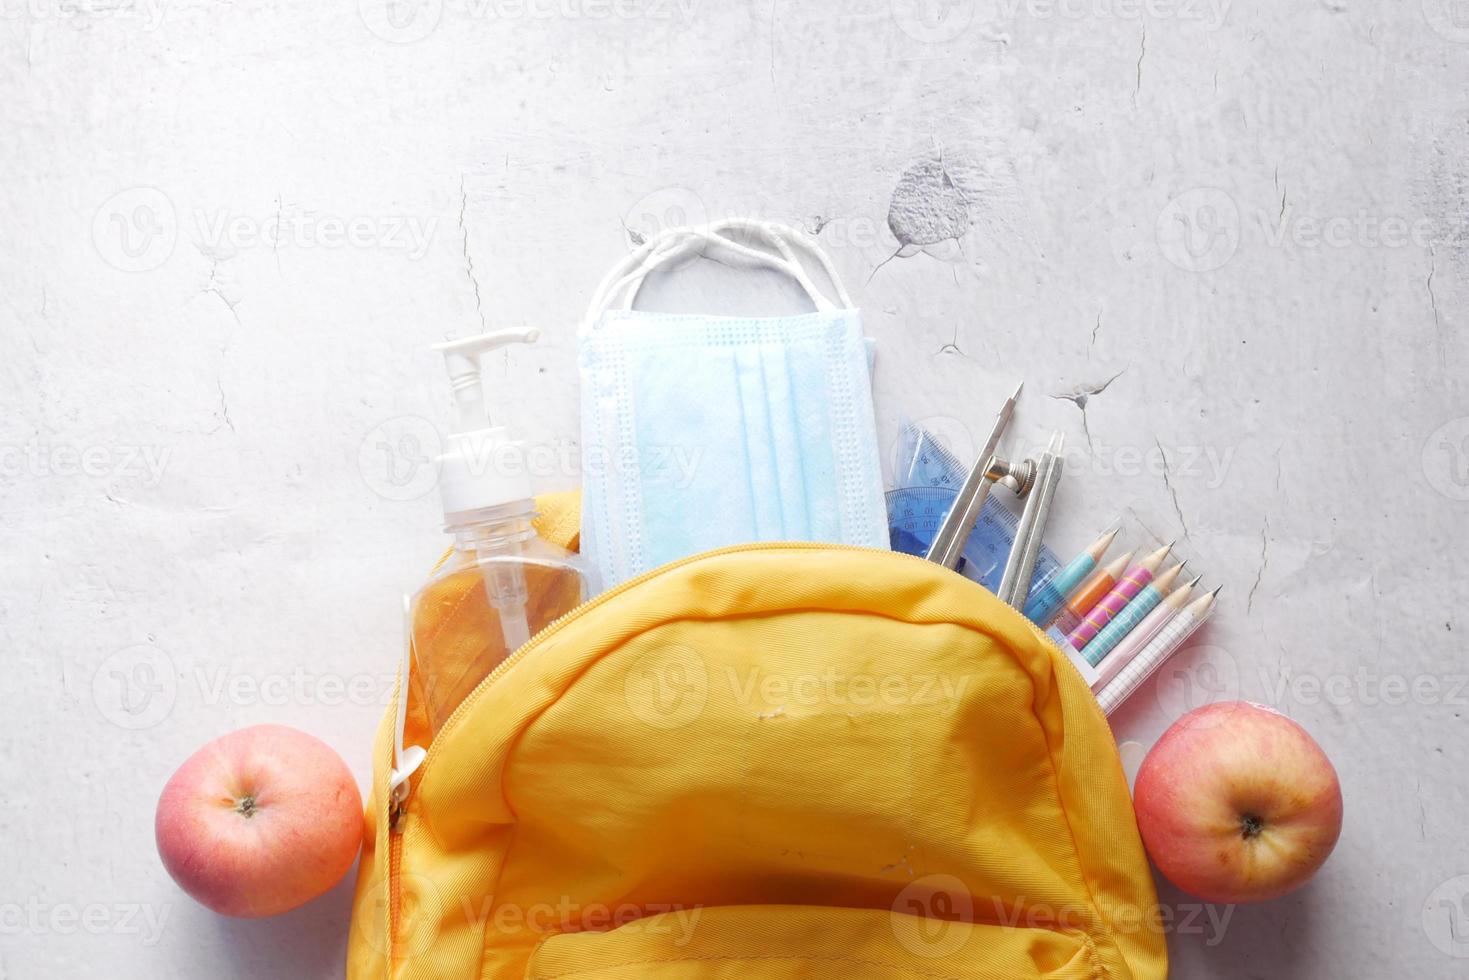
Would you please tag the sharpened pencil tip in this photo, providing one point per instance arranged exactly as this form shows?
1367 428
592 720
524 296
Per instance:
1099 547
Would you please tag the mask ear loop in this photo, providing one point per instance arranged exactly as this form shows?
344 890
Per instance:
781 237
671 251
715 234
813 248
630 273
776 236
637 264
617 275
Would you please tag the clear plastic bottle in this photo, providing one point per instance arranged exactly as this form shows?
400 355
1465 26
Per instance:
500 586
502 583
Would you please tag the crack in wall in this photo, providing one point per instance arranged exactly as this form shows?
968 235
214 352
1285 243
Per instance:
275 245
1172 491
1433 302
1264 561
215 288
1081 395
468 259
224 407
1142 53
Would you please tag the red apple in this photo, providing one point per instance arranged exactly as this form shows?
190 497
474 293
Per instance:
259 821
1236 803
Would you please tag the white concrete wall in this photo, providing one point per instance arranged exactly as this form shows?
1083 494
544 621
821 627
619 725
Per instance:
1247 220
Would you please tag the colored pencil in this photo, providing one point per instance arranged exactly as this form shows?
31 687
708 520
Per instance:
1156 653
1139 638
1046 599
1131 616
1126 589
1091 592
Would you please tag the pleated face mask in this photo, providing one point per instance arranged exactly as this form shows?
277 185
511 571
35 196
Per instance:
702 431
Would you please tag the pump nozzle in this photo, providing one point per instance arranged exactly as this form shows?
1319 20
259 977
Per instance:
482 466
462 361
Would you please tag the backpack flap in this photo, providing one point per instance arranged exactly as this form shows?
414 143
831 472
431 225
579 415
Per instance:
846 752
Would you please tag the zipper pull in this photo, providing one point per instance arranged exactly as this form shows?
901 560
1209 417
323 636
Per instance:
399 787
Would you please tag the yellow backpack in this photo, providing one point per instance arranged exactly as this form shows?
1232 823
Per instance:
776 761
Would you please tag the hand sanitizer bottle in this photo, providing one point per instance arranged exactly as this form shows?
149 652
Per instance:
502 583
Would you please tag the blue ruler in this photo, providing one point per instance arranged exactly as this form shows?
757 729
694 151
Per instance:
929 477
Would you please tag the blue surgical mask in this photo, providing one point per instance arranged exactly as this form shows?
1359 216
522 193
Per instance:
705 431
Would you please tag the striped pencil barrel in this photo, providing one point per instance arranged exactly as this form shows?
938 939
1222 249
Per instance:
1090 593
1156 653
1126 589
1131 616
1136 641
